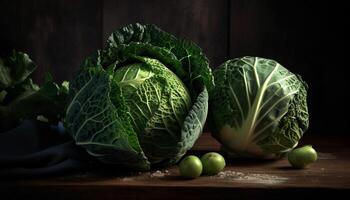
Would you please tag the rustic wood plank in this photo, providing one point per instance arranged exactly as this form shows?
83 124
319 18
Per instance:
204 22
245 178
57 34
306 37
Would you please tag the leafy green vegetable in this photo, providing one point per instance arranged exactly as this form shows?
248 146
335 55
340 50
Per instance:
142 100
259 107
20 98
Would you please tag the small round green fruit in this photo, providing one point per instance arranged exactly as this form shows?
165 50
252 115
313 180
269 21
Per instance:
301 157
190 167
213 163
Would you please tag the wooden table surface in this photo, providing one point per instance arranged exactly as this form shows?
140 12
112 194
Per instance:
242 178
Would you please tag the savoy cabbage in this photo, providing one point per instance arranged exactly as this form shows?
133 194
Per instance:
141 101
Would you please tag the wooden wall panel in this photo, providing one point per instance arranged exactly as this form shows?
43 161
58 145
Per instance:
56 34
204 22
308 38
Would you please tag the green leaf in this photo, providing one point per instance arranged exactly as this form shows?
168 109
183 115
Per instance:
97 125
191 129
189 54
15 69
3 94
195 120
20 98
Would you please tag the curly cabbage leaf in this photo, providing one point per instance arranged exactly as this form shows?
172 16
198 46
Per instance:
142 101
259 108
20 98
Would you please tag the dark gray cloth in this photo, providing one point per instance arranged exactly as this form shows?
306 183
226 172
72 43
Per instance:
35 149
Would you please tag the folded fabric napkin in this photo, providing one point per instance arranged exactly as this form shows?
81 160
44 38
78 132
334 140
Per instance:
36 149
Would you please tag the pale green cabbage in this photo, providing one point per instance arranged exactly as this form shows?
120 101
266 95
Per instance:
258 107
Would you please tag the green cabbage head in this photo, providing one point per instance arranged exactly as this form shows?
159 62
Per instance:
142 101
258 107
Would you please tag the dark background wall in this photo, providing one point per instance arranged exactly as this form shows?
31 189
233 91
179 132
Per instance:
308 37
